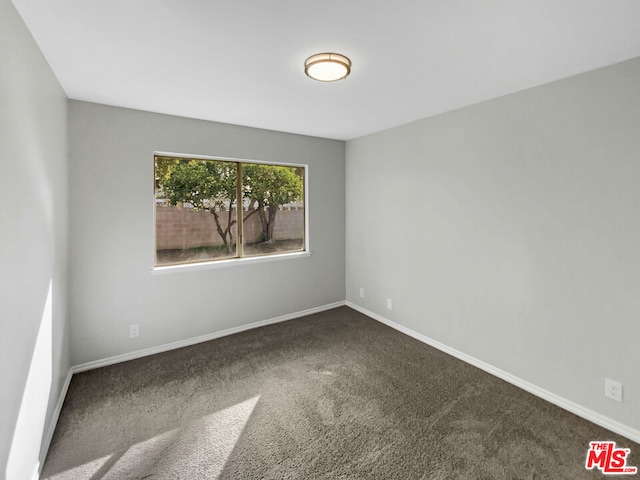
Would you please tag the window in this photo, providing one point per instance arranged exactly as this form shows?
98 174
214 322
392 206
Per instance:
197 218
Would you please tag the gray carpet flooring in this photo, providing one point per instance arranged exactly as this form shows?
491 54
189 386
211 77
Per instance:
335 395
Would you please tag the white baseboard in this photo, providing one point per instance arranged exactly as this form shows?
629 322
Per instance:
151 351
36 472
577 409
46 443
587 414
202 338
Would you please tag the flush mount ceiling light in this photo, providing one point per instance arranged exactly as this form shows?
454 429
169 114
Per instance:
327 67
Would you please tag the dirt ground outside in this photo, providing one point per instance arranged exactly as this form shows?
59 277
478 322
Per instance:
218 252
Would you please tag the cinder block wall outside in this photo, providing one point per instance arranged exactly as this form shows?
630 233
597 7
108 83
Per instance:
182 228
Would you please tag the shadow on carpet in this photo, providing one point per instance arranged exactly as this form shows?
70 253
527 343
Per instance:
335 395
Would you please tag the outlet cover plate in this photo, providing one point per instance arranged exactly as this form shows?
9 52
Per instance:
134 331
613 389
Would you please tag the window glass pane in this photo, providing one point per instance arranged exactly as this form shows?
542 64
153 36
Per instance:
273 209
195 210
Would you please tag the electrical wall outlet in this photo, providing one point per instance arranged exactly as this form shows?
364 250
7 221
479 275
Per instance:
134 331
362 293
389 304
613 389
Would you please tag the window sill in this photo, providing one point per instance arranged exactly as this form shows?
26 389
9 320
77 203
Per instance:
190 267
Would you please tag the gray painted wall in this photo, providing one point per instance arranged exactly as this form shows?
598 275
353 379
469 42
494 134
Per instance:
111 233
509 230
34 351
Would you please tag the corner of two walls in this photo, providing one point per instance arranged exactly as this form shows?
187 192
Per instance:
506 230
34 344
509 231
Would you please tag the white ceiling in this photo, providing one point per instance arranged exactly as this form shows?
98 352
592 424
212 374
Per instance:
241 61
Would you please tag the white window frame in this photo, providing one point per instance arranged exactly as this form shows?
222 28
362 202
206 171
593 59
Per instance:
230 262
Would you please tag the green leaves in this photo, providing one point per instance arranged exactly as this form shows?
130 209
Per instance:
207 184
271 185
203 184
212 185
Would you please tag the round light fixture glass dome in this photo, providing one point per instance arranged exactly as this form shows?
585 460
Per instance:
327 67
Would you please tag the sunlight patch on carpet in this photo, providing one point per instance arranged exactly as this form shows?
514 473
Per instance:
201 447
86 470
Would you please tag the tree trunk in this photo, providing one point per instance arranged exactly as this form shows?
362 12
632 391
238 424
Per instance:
268 220
230 223
265 223
272 221
224 233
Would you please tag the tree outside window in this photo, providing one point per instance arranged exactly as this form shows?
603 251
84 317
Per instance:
197 214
